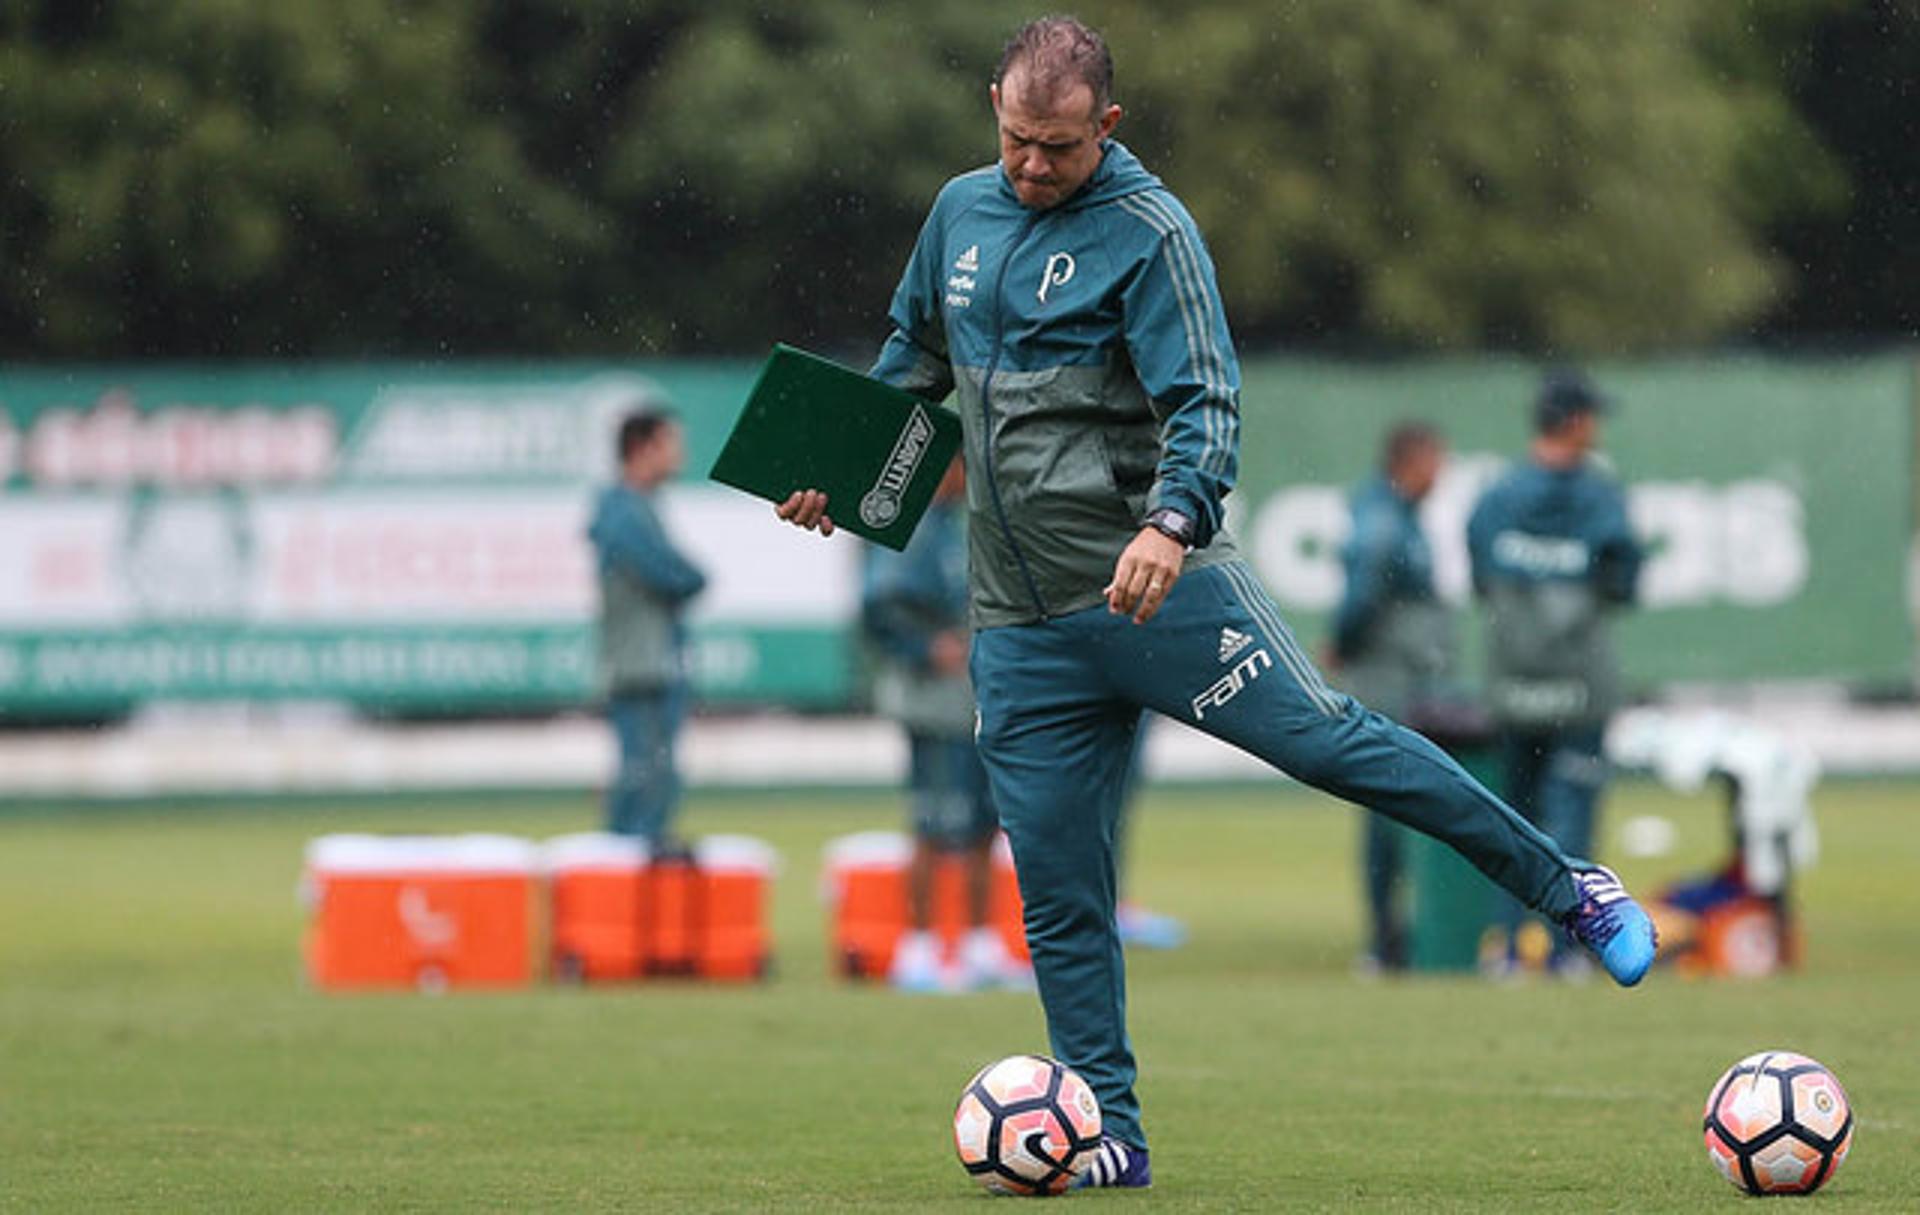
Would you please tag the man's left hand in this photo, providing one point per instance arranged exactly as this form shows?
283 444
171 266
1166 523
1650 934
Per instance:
1145 575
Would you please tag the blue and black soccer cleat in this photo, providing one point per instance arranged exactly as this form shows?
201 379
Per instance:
1116 1165
1611 925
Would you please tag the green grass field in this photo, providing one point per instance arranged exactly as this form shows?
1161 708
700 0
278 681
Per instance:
158 1050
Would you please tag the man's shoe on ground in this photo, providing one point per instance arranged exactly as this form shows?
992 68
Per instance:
918 965
985 964
1116 1166
1611 925
1148 929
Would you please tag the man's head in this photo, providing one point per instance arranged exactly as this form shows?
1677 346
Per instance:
1411 456
1567 410
650 446
1053 99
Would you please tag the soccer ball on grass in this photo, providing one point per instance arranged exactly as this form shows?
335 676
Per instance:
1778 1123
1026 1125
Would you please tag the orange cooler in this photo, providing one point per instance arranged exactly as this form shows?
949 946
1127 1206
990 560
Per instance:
1747 937
420 911
866 894
736 872
620 913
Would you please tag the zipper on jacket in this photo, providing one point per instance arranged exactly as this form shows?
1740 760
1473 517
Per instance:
986 416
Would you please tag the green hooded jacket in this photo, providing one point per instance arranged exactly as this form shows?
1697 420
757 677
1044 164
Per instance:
1088 354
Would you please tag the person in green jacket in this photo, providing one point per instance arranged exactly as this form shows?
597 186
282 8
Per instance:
1392 643
913 611
1555 559
646 583
1064 298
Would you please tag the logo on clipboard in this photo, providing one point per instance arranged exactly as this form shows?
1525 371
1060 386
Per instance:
880 505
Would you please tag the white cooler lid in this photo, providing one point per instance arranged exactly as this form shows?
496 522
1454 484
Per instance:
868 848
351 853
592 850
736 853
602 850
861 850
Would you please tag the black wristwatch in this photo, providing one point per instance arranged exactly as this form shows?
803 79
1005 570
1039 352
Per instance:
1172 524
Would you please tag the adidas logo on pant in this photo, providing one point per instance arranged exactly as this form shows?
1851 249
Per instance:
1232 641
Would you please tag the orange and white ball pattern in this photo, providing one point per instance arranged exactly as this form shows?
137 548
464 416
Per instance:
1026 1125
1778 1122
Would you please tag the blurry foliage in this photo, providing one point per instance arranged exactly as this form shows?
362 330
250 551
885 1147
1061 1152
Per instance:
778 162
210 177
1478 172
222 176
1855 77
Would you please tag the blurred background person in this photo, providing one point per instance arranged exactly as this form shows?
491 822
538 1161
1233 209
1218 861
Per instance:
913 608
1553 556
1392 645
646 583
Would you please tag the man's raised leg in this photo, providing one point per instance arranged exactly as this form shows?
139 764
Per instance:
1270 700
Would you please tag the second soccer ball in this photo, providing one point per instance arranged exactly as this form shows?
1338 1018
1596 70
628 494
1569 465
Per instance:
1778 1123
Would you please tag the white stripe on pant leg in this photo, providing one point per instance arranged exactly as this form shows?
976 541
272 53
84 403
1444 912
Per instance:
1269 622
1283 636
1326 696
1274 635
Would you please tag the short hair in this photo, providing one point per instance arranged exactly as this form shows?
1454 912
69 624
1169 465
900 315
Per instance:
1565 394
640 428
1059 52
1405 439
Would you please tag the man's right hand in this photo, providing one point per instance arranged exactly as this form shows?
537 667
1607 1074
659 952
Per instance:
806 508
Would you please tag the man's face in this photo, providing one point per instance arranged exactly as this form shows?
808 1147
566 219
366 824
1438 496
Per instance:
672 445
1419 469
659 459
1583 429
1049 145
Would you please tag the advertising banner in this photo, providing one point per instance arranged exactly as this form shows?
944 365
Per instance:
406 538
411 537
1774 497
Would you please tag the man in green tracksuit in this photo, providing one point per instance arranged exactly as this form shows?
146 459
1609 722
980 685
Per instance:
1392 641
913 605
1067 302
646 583
1554 558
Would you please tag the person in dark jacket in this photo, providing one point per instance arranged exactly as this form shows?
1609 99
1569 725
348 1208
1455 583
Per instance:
646 583
913 609
1392 643
1554 558
1066 301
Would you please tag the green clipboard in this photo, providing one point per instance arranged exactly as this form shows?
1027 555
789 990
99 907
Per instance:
810 423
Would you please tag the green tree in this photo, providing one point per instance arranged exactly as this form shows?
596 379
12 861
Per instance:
1557 176
1853 71
217 176
206 177
778 161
